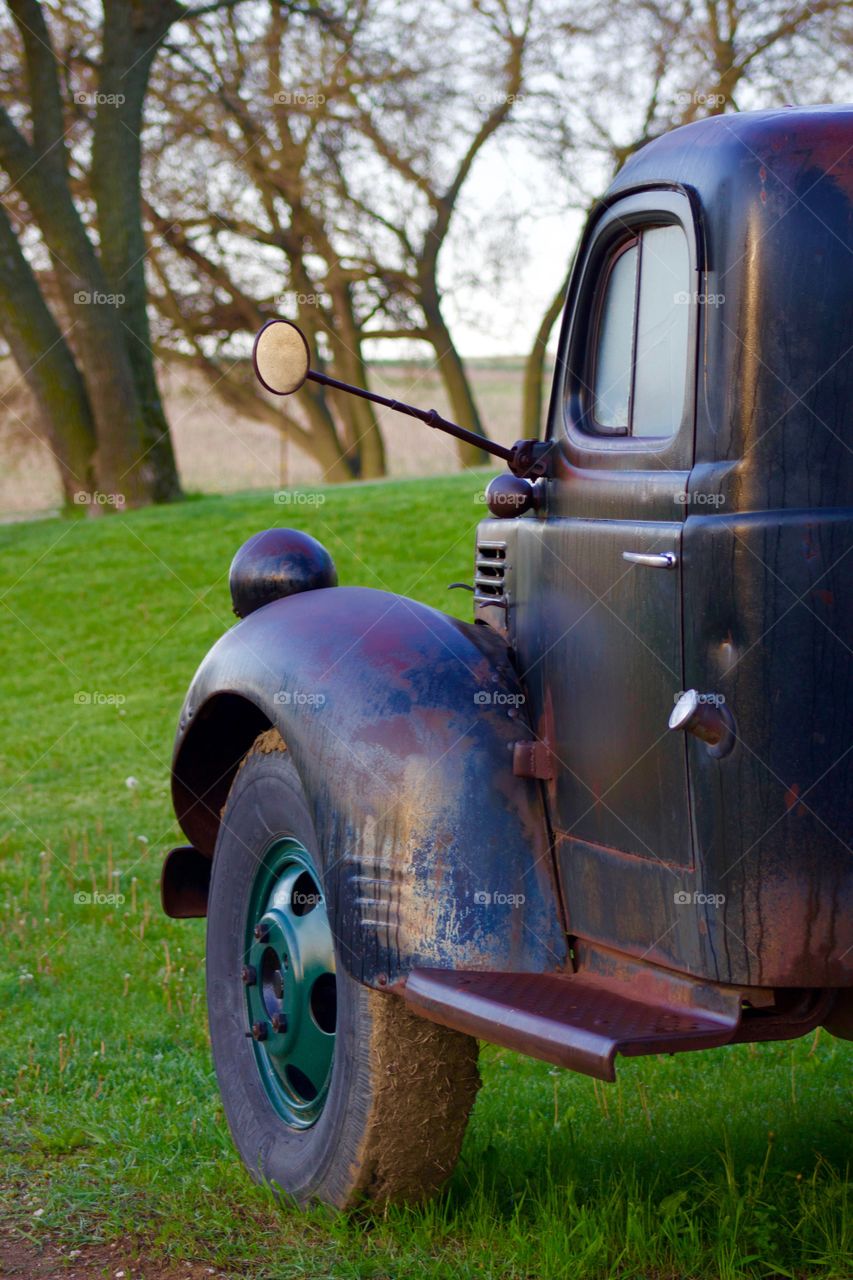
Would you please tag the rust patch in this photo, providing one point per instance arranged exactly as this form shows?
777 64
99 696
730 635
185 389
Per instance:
793 804
532 760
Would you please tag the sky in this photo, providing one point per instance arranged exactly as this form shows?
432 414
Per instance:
508 317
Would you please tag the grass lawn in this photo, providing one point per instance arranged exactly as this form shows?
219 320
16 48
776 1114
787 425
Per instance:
725 1164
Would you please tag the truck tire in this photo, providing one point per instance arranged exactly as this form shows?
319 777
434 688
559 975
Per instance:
332 1091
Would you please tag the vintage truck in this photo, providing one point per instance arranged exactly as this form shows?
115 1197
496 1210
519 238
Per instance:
613 813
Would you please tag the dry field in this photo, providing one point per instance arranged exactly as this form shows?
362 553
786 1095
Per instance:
220 452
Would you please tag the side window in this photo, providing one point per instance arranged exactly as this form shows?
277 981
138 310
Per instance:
640 349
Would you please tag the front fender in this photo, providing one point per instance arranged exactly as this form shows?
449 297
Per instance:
401 722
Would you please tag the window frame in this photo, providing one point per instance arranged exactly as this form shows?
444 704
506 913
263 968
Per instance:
611 225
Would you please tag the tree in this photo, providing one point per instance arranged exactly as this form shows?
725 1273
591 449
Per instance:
100 361
329 163
429 128
246 128
685 60
72 157
39 348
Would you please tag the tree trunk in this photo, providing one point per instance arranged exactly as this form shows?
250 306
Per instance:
338 465
348 357
121 465
463 406
132 33
47 365
41 175
534 368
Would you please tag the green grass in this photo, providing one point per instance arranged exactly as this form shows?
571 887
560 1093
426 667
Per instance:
726 1164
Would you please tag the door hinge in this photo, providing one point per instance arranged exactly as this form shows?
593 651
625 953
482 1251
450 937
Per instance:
532 760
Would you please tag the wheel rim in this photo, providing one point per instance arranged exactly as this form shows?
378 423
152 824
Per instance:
289 980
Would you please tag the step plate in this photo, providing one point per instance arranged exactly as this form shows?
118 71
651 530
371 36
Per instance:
574 1020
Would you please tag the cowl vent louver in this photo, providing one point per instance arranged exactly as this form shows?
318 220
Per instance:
490 570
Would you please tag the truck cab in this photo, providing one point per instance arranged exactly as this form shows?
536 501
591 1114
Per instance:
693 535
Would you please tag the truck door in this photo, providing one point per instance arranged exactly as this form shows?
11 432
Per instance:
598 613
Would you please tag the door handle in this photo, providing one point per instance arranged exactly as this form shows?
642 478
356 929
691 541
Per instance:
707 717
652 559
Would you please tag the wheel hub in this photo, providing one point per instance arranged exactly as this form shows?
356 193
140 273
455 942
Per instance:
291 992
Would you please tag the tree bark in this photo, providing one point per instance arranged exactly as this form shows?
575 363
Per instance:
47 366
132 34
534 367
348 357
463 406
40 172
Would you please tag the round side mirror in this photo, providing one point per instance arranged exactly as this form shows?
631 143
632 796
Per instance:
281 357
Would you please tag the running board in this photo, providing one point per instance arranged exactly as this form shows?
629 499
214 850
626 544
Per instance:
578 1020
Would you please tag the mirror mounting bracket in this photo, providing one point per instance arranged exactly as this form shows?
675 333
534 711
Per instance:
531 459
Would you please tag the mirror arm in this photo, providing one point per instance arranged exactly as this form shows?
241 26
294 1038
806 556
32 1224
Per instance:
429 416
283 368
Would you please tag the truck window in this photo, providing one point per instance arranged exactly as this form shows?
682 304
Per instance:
640 368
616 341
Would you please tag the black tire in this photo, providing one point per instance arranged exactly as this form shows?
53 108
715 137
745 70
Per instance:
400 1089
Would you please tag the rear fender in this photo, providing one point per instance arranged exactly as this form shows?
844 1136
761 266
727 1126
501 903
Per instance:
401 722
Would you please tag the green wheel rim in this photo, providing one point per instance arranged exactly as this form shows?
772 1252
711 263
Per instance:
289 980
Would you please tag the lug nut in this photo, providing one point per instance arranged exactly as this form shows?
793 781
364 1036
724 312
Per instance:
249 975
279 1022
262 932
260 1030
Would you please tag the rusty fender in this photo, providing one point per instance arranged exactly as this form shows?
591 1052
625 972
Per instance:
401 722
